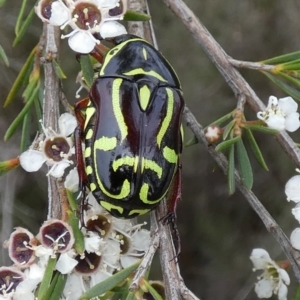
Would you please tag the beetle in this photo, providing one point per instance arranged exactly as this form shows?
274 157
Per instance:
131 128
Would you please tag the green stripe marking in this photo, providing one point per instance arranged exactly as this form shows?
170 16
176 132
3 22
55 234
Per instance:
89 134
170 155
87 152
126 160
89 112
139 211
144 195
105 143
117 109
144 97
167 120
139 71
153 166
109 206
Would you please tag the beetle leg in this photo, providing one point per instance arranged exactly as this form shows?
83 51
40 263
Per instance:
79 155
173 197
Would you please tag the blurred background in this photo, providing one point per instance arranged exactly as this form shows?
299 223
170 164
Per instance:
218 232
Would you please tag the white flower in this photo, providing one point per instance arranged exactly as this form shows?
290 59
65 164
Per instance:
66 263
87 18
281 114
72 181
273 279
55 150
292 189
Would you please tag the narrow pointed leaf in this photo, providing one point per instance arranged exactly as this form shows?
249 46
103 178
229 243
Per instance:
152 291
285 87
78 235
3 56
25 137
131 296
109 283
297 295
244 165
24 27
56 287
132 15
226 144
20 16
58 70
45 284
231 169
191 142
8 165
282 58
291 79
14 125
255 149
260 128
30 89
290 65
221 120
87 69
21 78
228 129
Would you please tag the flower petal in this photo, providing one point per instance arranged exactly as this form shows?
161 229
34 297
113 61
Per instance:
288 105
58 169
112 29
82 42
276 122
282 292
292 122
260 258
72 181
32 160
264 288
273 101
67 124
284 276
65 263
60 14
295 238
292 189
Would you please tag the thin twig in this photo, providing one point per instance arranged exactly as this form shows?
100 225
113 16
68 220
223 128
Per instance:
222 61
250 65
267 219
51 113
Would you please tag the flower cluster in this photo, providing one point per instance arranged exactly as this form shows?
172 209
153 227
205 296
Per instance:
292 191
55 150
281 114
274 279
90 20
110 244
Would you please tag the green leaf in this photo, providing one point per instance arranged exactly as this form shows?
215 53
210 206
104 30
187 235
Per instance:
297 295
78 235
20 16
8 165
244 165
191 142
231 169
285 87
131 296
3 56
14 125
109 283
255 149
56 287
21 78
261 128
290 65
2 2
45 284
25 137
221 120
24 27
58 70
291 79
132 15
87 69
152 291
228 129
282 58
226 144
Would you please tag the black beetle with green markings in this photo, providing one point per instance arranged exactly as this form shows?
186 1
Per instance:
131 127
